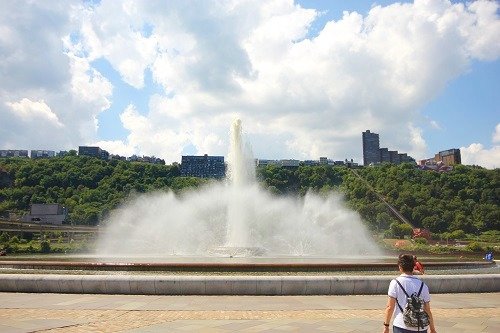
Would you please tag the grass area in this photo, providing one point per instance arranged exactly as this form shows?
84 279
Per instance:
54 242
44 246
422 246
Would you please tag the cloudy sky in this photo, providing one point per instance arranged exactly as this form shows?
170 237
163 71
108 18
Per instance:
167 78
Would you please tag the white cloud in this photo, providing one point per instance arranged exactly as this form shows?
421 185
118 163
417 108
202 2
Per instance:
435 124
37 111
477 154
49 97
419 146
116 147
496 134
88 84
113 30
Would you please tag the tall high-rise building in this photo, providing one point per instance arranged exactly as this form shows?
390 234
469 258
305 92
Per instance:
371 146
203 166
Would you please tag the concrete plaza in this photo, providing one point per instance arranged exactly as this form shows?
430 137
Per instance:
22 312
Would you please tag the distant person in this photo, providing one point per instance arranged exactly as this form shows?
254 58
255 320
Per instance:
488 256
418 268
409 301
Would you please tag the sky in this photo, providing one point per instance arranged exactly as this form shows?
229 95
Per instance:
306 77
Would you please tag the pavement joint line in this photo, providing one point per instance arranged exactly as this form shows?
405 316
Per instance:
234 314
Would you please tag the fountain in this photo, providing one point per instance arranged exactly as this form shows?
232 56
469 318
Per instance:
233 227
235 218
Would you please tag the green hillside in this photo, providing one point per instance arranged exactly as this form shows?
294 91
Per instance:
87 186
465 200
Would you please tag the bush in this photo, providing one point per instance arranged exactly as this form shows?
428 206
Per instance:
475 247
441 249
458 234
4 237
31 249
11 248
421 241
14 240
45 246
491 236
23 241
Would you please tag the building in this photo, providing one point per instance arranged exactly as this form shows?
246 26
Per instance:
429 164
93 152
384 155
442 161
42 153
117 157
263 163
371 146
394 157
449 157
311 162
13 153
145 159
323 160
290 163
404 158
47 214
373 154
203 166
350 164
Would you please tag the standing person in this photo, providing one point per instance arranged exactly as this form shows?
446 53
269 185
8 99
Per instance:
418 269
400 289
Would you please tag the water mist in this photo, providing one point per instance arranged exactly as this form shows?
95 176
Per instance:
235 214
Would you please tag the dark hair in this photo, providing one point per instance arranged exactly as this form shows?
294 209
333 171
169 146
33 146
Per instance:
407 262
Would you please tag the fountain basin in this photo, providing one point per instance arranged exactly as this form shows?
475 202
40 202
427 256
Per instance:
236 285
236 266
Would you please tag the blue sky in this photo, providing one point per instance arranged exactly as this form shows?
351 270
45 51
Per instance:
306 77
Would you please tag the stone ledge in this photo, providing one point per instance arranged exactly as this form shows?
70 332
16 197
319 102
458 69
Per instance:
236 285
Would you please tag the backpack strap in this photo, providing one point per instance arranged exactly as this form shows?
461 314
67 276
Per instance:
420 290
418 295
399 305
401 286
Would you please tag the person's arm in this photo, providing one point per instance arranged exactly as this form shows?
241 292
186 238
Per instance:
427 308
389 309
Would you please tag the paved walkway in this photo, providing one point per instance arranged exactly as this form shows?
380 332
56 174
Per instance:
454 313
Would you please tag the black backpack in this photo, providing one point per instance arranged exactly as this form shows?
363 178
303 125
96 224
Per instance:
414 314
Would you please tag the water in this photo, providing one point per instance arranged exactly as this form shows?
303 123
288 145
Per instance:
237 217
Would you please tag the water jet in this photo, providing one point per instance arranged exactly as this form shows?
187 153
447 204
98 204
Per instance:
236 217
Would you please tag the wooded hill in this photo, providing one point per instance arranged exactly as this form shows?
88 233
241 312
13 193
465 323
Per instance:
465 199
